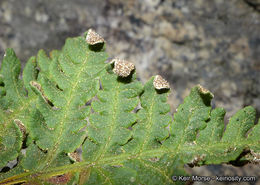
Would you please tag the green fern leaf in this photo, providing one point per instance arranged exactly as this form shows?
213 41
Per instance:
63 90
15 105
124 129
108 129
198 131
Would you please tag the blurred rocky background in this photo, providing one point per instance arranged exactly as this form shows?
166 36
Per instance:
214 43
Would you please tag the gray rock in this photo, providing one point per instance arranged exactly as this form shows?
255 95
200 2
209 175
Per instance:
208 42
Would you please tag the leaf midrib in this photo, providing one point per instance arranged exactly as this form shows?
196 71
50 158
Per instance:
53 152
70 168
150 123
76 167
112 127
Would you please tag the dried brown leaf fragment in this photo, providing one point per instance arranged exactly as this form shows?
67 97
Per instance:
160 83
93 38
122 68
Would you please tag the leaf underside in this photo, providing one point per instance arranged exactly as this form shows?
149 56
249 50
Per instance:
71 120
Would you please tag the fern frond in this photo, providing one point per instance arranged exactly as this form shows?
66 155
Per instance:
75 100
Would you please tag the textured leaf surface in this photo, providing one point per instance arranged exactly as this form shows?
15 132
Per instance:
108 129
124 128
15 106
63 89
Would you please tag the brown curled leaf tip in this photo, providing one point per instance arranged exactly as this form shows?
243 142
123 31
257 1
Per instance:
60 179
36 85
39 87
256 157
21 126
160 83
93 38
74 156
195 161
204 90
122 68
